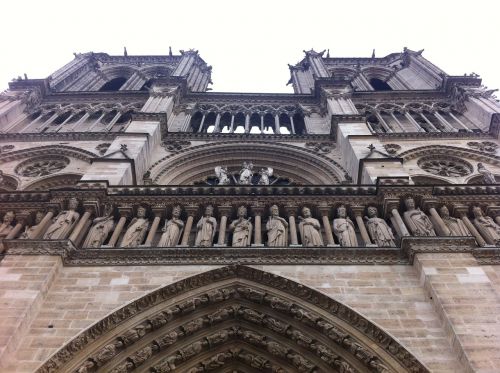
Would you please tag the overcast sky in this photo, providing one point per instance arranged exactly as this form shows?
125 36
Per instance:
250 43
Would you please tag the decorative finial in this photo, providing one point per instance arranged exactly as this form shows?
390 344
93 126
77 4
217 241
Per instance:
25 76
371 147
373 53
125 51
328 53
170 51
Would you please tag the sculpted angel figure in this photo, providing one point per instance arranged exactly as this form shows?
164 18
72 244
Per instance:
456 226
343 227
221 173
100 228
310 229
206 227
136 230
488 177
241 228
246 173
486 226
418 223
379 230
277 229
6 226
29 232
265 174
63 222
172 230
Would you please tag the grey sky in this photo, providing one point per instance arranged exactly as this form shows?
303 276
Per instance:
250 43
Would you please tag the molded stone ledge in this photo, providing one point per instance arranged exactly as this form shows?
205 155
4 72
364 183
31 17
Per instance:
415 245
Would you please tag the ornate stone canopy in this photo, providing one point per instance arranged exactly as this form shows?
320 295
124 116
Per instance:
234 319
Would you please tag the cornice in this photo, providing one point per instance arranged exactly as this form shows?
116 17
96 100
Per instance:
433 135
69 136
243 136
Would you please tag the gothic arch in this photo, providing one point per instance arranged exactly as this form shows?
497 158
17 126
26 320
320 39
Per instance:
8 183
292 162
68 151
446 151
237 317
54 182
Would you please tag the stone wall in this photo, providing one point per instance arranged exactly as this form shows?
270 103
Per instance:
46 304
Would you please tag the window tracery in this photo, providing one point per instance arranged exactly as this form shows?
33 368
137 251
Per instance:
36 167
449 166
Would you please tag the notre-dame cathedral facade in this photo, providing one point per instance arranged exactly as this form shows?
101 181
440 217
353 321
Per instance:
151 225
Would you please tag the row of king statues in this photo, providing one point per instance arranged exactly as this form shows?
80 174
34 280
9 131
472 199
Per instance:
373 229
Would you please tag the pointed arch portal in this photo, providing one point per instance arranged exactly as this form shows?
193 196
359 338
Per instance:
234 319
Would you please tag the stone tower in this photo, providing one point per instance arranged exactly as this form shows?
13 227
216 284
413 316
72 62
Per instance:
150 225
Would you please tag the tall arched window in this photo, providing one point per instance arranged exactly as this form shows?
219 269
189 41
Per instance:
113 85
379 85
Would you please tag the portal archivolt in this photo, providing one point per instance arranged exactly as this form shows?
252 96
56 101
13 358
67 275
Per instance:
234 319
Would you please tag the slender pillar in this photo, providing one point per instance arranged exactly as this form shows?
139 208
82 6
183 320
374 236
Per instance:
326 225
397 122
429 123
472 229
79 226
200 128
459 122
81 120
98 120
257 239
231 129
247 123
224 212
217 124
261 124
119 227
21 222
47 122
191 211
439 224
292 211
399 222
445 123
384 124
154 227
40 229
292 124
358 214
497 219
113 121
414 122
276 124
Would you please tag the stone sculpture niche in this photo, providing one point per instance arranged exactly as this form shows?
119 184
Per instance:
63 223
343 227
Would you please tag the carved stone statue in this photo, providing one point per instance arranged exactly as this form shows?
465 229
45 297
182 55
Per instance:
379 230
417 222
265 174
6 226
206 228
456 226
221 173
136 229
241 228
100 229
172 229
486 226
488 177
28 233
343 228
63 222
309 229
246 173
277 229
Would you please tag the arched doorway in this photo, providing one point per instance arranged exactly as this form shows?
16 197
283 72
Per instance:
231 319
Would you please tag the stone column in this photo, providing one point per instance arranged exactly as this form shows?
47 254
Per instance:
277 124
292 211
261 124
292 124
21 222
429 123
124 212
191 211
200 128
439 224
154 226
399 221
461 211
247 123
81 223
257 240
358 214
38 232
224 212
325 210
217 123
231 129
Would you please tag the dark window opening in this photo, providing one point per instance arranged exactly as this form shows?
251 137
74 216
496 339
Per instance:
113 85
61 118
299 124
196 121
147 85
379 85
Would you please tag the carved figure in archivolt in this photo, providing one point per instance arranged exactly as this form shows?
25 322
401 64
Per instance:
246 173
241 228
310 229
172 229
221 173
456 226
206 228
343 227
29 232
100 228
277 229
486 226
379 230
265 174
488 177
63 222
136 230
417 222
6 226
